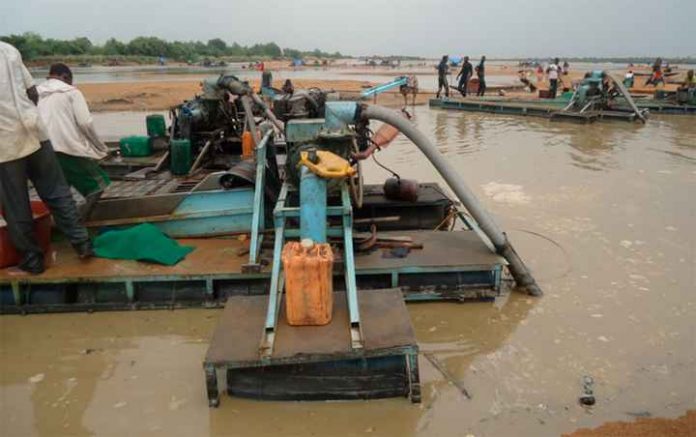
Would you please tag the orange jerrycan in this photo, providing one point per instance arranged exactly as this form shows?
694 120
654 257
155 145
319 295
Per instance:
308 283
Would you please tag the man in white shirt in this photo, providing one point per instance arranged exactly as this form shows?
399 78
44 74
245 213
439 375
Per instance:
64 111
26 154
553 71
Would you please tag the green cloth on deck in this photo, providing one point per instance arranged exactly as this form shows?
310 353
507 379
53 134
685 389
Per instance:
144 242
84 174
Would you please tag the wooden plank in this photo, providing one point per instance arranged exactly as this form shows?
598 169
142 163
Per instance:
212 256
219 256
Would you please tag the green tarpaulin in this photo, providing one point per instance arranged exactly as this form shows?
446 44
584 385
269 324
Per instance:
144 242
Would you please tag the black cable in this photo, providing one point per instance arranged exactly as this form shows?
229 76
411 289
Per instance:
385 167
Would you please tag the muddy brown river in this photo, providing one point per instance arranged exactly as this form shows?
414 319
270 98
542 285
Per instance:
604 214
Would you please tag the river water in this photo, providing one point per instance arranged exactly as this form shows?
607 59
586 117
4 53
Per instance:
604 214
426 74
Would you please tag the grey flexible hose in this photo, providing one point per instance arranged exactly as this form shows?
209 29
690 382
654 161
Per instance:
502 245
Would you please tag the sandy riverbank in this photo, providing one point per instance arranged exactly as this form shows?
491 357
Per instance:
161 95
684 426
152 96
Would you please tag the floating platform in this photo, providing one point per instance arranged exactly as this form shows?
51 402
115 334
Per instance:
529 108
451 265
550 108
661 107
316 362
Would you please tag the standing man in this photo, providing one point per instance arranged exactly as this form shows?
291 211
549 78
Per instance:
26 154
442 70
566 68
64 111
553 71
657 75
689 80
464 75
266 79
481 73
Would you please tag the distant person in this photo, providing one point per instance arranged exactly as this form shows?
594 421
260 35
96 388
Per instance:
629 79
539 74
288 87
442 70
656 77
26 154
69 123
464 75
524 76
481 73
266 79
689 80
566 68
410 87
553 70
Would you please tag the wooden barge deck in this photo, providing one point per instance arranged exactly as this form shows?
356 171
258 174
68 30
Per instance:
452 265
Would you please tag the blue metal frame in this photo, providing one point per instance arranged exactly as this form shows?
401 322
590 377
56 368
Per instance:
257 220
280 214
274 298
356 336
312 206
384 87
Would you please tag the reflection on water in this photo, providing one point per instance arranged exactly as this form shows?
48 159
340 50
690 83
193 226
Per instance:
606 226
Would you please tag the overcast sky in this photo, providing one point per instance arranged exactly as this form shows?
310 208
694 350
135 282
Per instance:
515 28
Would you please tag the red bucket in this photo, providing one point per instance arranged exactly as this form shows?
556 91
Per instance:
42 228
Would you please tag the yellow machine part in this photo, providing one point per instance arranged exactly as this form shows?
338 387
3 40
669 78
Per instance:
328 166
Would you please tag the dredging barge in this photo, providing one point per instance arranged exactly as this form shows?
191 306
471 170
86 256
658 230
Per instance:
598 97
300 180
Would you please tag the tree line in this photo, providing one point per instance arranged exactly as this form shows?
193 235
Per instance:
33 46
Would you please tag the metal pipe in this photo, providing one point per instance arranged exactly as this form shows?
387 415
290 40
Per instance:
250 122
199 158
239 88
629 99
502 245
267 111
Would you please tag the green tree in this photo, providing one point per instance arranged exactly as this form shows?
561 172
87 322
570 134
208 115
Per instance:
80 46
113 47
33 46
148 46
217 47
29 44
292 53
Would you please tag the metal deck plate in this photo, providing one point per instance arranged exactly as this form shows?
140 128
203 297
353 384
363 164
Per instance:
386 328
316 362
463 249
